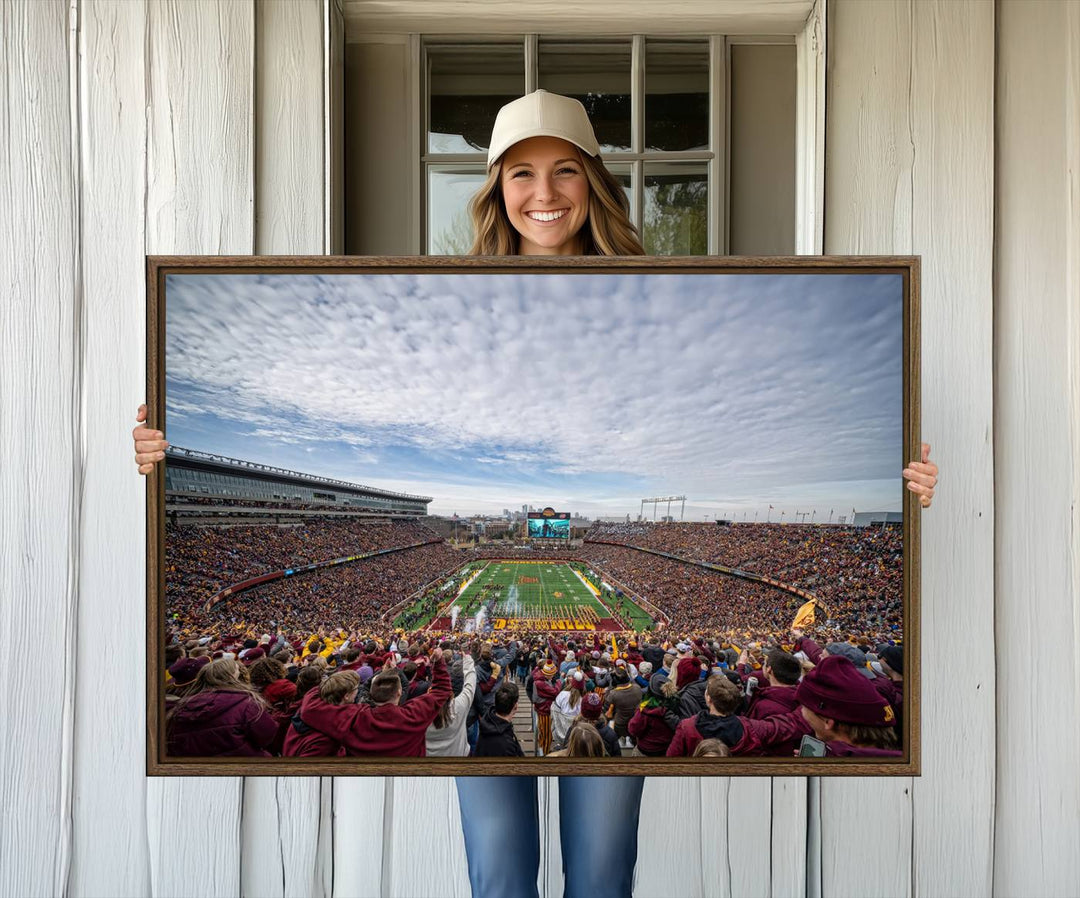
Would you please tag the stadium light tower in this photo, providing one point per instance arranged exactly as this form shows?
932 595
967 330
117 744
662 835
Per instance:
669 499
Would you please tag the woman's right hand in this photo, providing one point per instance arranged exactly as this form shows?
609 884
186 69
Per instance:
150 445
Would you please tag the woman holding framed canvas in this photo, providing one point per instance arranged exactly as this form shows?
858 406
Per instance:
548 193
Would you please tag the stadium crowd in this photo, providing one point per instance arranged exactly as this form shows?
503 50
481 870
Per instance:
856 572
337 695
269 672
201 561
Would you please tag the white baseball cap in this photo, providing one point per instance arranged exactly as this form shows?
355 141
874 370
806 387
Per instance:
541 114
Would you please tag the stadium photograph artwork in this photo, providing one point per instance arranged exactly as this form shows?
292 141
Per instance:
533 516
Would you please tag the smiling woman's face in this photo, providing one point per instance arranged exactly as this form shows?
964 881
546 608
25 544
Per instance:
546 195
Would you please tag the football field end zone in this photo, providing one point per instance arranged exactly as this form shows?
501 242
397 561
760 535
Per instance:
542 613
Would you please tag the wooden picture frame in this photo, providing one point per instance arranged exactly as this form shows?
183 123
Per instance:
159 268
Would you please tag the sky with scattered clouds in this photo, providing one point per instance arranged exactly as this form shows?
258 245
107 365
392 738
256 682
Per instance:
586 392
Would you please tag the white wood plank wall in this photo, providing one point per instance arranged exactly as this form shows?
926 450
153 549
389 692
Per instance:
909 169
201 127
1037 447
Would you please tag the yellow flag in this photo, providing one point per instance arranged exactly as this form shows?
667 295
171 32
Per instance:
804 616
614 648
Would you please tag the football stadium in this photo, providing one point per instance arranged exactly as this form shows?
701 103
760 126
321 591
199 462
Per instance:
282 583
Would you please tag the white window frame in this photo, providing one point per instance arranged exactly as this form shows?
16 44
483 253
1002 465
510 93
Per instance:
810 125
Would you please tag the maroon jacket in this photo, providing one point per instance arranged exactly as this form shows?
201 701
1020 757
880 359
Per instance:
652 733
693 730
544 692
220 724
310 744
769 701
759 736
386 730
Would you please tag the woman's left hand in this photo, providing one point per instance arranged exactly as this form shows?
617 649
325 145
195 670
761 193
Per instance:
922 477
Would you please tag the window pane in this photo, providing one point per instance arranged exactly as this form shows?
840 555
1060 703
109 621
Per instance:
597 74
449 191
467 84
623 175
676 95
676 209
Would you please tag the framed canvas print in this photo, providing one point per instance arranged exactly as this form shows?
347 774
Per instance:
609 516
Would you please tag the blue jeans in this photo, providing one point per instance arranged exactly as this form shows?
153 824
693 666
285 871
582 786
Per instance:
502 837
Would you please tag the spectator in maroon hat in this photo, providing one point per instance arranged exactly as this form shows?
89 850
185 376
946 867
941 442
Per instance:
592 710
183 673
222 715
841 707
280 695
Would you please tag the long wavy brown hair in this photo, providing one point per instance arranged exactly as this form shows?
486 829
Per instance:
584 740
607 231
222 675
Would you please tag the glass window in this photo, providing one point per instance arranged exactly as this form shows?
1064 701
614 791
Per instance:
467 84
676 95
597 74
449 190
654 113
676 210
624 174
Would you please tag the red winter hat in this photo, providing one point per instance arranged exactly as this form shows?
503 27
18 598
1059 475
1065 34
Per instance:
185 670
280 691
592 706
836 689
687 671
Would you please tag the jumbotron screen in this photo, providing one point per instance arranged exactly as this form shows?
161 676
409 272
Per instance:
549 524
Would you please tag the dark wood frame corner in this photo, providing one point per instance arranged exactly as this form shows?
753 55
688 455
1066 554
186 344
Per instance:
157 764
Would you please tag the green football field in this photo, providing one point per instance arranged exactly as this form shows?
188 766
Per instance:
528 590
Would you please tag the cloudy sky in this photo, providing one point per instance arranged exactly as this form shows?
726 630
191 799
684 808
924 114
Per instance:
585 392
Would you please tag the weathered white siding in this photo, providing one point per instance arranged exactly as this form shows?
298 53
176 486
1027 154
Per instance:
196 127
910 153
1037 447
41 452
